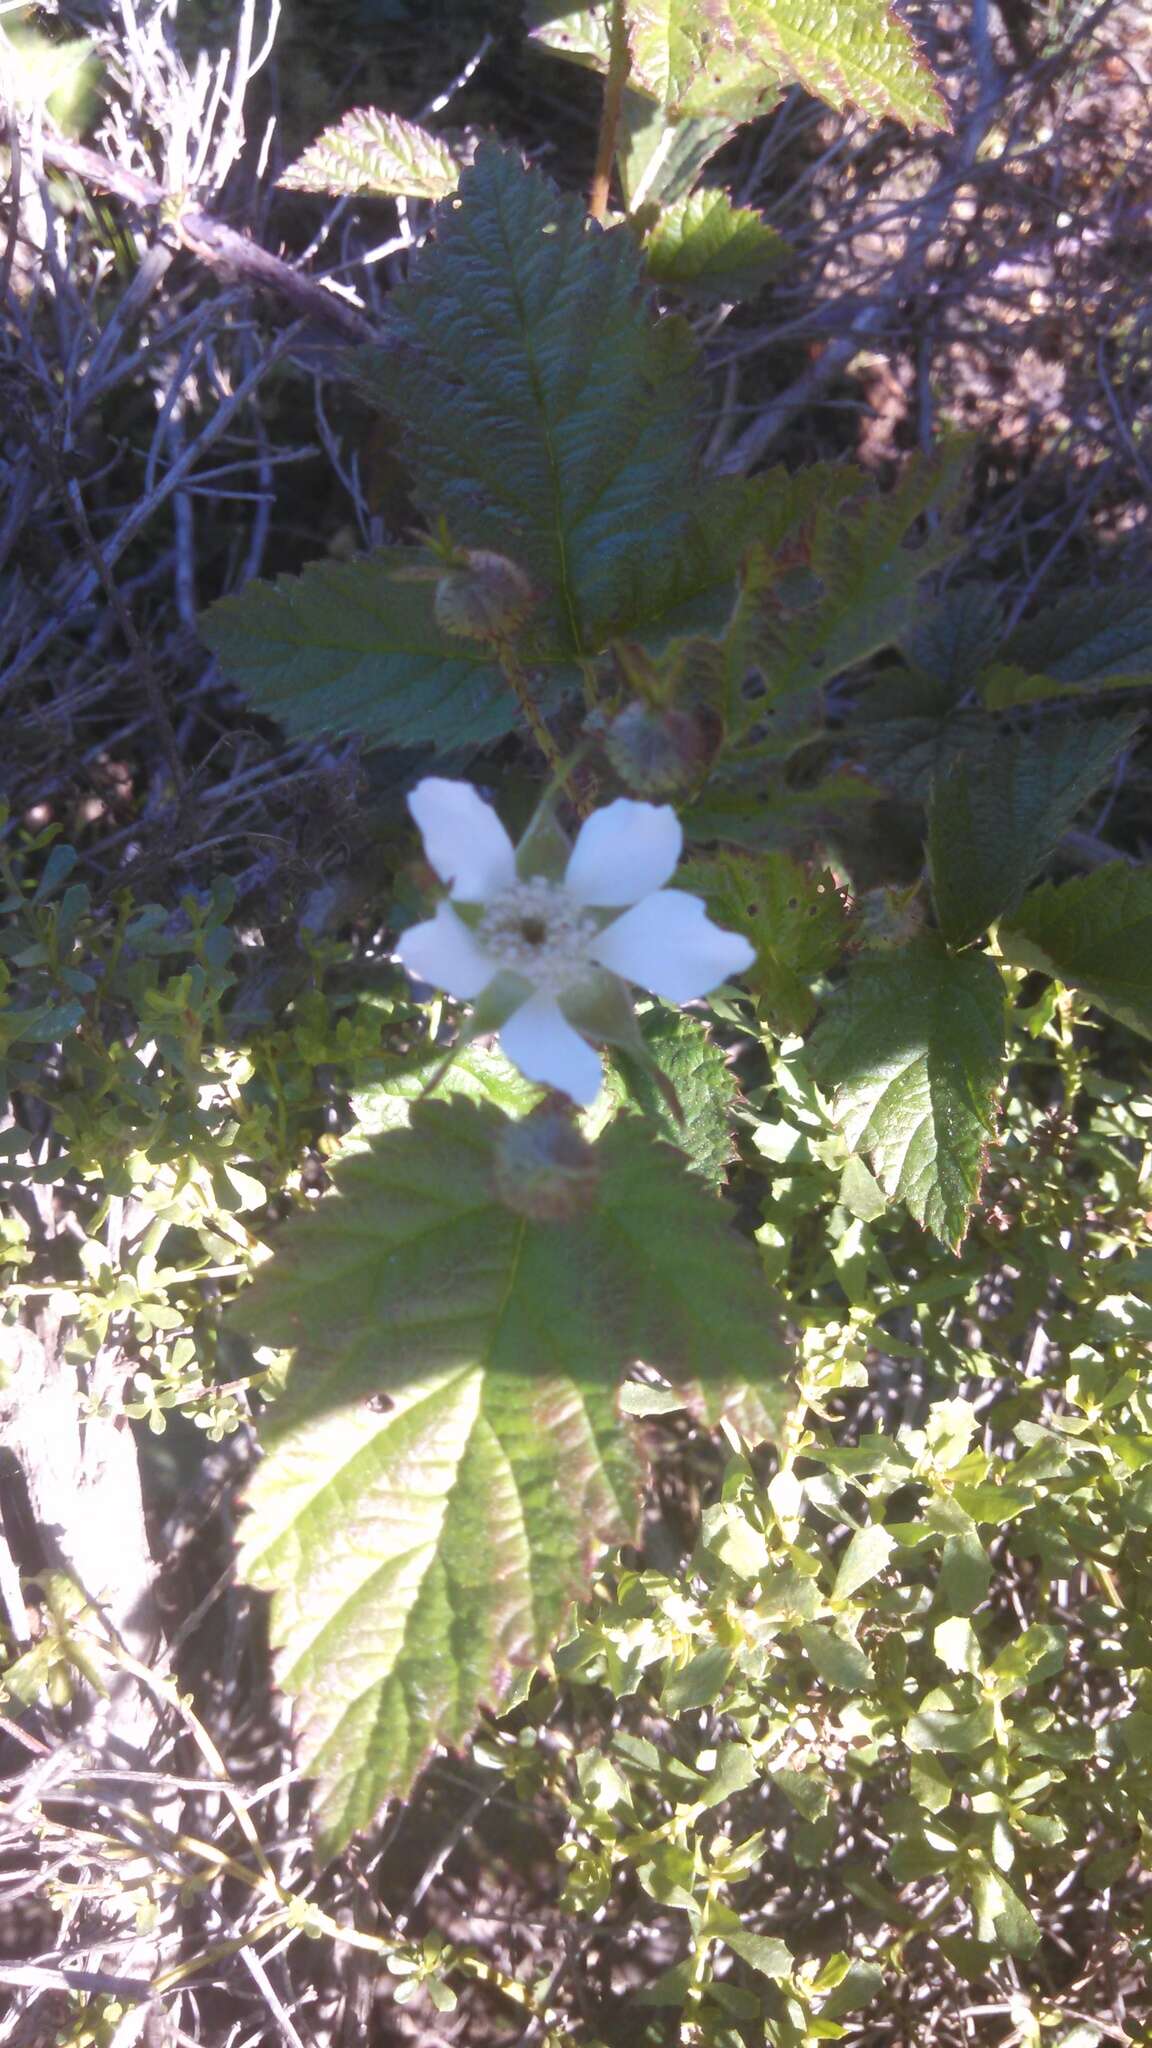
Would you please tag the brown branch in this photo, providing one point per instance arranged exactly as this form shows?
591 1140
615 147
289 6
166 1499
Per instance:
619 65
210 240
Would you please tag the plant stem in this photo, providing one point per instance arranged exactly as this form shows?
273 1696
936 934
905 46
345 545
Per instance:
619 65
522 687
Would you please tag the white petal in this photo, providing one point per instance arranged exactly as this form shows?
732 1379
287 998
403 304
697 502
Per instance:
540 1041
444 952
668 944
463 839
624 852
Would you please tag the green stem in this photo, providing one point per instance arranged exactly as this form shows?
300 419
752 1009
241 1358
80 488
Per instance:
619 65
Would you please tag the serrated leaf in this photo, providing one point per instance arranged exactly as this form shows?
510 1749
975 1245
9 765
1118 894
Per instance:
544 414
478 1071
736 58
793 915
354 647
1095 934
446 1453
370 151
840 583
705 245
912 1049
691 1060
996 816
950 643
1089 637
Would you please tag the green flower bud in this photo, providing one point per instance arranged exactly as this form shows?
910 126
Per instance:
661 753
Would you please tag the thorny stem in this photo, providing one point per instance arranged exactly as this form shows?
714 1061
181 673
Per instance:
520 683
619 65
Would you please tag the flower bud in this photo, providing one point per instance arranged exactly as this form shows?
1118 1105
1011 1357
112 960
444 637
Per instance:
485 598
544 1169
661 753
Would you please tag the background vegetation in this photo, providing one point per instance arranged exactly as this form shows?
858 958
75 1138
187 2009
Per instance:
854 1741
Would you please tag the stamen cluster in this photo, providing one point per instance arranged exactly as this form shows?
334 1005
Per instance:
537 930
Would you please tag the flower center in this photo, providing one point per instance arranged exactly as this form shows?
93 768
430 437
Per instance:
537 931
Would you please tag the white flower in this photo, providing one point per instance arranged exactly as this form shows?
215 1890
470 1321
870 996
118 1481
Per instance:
552 944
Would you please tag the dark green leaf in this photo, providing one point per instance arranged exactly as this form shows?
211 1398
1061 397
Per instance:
995 817
1095 934
354 647
1089 637
544 414
912 1048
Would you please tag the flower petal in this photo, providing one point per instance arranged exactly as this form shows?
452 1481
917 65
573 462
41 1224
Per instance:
624 852
540 1041
444 952
463 839
669 945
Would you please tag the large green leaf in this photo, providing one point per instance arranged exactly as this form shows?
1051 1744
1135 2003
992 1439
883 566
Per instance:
446 1454
994 818
1094 933
370 151
912 1049
737 57
353 647
544 414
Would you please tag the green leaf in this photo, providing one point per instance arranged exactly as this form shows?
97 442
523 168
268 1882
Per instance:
446 1454
699 1682
867 1555
859 590
479 1071
950 642
354 647
912 1048
689 1058
944 1731
737 57
706 245
544 415
1090 637
764 1952
1095 934
1002 1919
994 819
793 915
837 1659
659 158
370 151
